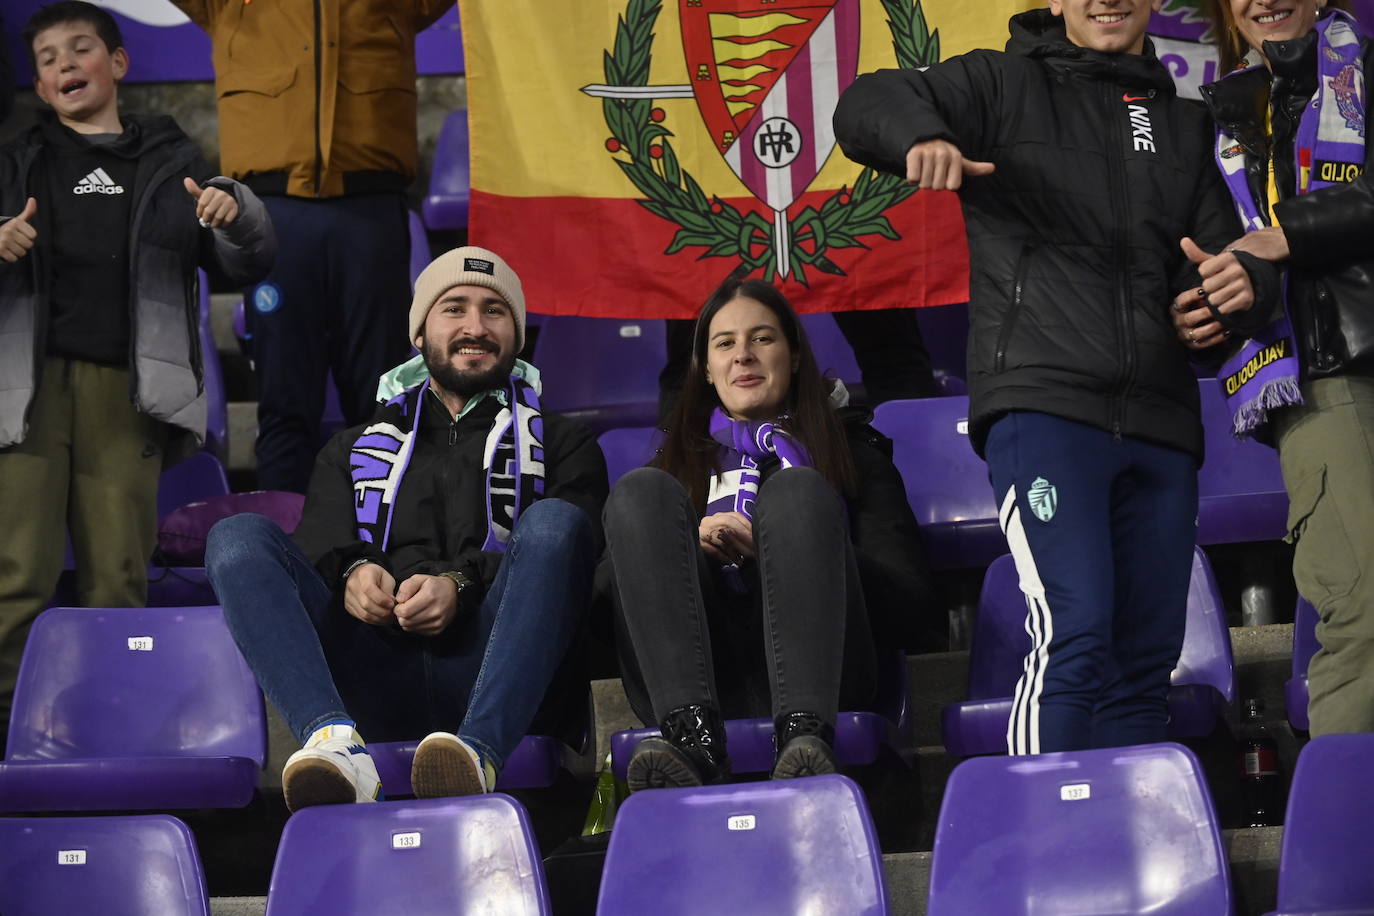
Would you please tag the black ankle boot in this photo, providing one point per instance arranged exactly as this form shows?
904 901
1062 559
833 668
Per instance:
690 753
804 746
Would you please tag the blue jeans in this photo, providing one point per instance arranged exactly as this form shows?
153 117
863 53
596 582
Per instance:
1102 531
487 672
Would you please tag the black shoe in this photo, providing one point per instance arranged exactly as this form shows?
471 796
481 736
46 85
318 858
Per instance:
804 746
690 753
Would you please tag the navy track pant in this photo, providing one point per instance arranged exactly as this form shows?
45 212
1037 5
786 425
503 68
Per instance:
337 301
1102 530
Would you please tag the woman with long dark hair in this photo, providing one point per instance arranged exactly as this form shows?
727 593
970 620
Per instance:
758 556
1292 143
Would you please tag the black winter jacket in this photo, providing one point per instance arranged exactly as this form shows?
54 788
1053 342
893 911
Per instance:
1330 232
165 248
1074 240
439 518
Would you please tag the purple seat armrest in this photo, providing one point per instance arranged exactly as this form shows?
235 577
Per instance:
127 783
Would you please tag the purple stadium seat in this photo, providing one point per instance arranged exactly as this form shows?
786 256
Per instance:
534 764
446 204
604 371
419 246
217 408
944 330
120 709
1305 646
442 855
1241 497
201 476
833 354
627 448
946 482
1122 831
1203 683
1324 862
783 847
858 735
120 866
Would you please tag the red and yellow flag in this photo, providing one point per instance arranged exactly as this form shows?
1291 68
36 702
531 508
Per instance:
629 155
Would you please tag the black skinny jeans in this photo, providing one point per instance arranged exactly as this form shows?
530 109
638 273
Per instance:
797 640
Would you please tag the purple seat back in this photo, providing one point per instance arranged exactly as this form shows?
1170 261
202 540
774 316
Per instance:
944 330
442 855
834 355
419 246
1305 645
1324 864
602 370
787 846
1241 496
946 482
199 477
1000 641
628 448
121 866
217 407
446 204
182 533
1121 831
134 682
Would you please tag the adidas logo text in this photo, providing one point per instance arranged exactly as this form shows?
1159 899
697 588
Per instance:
98 182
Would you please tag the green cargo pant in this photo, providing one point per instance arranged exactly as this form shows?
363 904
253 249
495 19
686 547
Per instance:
89 464
1326 448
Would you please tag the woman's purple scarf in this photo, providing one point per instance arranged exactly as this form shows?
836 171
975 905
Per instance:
1330 141
744 444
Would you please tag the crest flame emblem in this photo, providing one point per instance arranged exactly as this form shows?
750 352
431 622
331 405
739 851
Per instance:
766 76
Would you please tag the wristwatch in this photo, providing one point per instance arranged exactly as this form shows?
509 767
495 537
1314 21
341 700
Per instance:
469 592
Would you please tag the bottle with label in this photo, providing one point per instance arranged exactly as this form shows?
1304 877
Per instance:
1261 786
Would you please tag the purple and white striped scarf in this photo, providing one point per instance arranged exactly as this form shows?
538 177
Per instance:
1330 142
744 445
513 459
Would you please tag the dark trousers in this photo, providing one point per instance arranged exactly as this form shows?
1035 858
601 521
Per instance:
795 639
887 346
336 301
1102 530
482 678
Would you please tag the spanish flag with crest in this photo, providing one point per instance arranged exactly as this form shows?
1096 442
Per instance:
629 155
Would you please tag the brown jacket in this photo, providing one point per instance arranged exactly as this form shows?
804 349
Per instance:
311 91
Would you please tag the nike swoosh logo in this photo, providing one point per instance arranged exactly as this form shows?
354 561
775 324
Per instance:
1134 98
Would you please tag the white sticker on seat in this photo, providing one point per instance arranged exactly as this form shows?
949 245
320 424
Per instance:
405 840
741 822
140 643
630 330
961 427
71 857
1078 792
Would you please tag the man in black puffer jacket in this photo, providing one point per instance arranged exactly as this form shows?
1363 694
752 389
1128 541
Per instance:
1084 173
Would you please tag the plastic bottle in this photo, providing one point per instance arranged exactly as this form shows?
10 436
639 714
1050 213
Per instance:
1259 769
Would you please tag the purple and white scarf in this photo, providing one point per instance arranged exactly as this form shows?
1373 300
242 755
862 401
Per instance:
1329 146
744 445
513 459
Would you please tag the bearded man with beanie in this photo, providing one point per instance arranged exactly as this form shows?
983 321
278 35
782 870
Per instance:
442 566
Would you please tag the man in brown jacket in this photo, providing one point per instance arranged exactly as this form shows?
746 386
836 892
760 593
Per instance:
317 115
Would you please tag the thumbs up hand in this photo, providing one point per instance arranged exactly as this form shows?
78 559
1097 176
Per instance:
17 234
1225 290
214 208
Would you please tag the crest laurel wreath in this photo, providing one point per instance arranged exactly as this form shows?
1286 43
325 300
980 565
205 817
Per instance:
649 162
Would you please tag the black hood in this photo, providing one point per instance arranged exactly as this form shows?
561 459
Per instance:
141 134
1040 34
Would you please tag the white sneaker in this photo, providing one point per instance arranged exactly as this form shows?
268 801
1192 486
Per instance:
334 768
447 765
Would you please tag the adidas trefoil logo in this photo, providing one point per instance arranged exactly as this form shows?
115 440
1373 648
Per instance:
98 182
